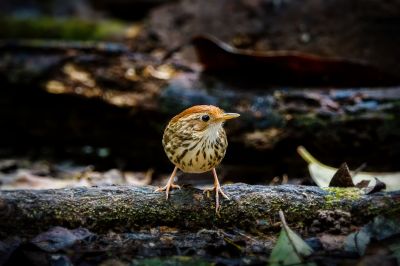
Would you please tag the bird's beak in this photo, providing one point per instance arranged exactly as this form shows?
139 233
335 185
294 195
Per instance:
227 116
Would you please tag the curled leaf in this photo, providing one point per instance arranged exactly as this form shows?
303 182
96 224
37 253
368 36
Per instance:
379 186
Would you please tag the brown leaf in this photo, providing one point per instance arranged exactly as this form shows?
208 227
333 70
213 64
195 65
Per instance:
277 180
342 177
363 184
285 67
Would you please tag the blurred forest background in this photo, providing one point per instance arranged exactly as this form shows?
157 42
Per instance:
88 86
95 82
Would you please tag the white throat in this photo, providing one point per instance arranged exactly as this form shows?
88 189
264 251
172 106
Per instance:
212 132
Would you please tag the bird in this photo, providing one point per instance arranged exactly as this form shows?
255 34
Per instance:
195 142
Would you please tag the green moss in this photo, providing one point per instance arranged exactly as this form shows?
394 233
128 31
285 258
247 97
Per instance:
60 28
337 195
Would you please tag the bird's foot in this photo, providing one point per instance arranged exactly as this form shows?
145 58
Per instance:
167 188
218 190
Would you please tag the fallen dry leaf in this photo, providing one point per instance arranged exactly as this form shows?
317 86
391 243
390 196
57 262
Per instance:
342 177
285 67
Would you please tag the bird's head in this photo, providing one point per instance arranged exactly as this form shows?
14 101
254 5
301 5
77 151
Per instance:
202 119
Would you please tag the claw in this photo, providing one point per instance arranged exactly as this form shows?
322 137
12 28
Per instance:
169 185
223 193
218 190
167 188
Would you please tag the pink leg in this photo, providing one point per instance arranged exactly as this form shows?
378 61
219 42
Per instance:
218 189
170 184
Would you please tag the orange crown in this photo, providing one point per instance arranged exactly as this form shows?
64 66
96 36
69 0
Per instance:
210 109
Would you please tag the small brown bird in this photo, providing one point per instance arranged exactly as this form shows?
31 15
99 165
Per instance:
195 142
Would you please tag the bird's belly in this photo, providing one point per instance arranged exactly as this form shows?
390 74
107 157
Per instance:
196 161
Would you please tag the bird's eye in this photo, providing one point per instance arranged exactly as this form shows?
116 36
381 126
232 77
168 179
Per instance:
205 118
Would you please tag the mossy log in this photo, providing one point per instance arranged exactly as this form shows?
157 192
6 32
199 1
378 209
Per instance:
123 208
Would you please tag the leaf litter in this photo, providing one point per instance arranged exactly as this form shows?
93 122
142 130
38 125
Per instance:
323 174
22 174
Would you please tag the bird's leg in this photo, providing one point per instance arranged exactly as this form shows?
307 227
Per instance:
170 184
218 189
